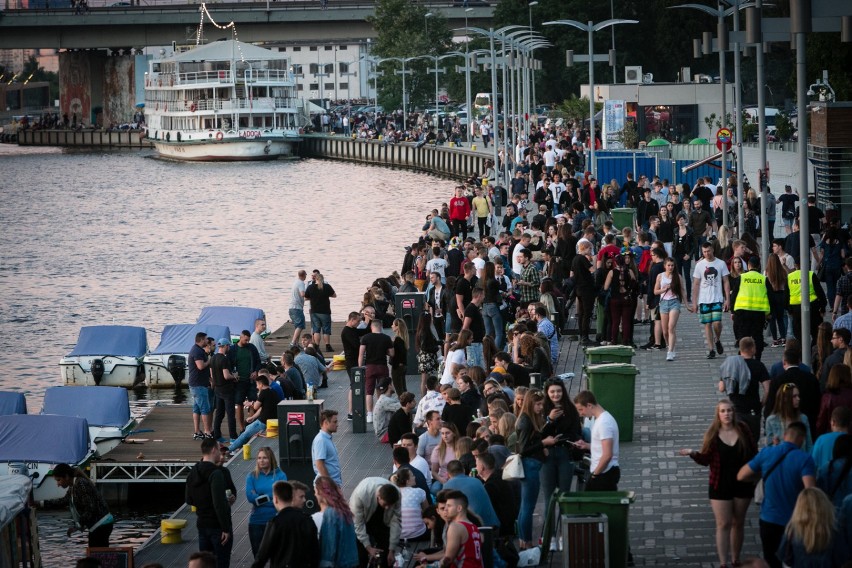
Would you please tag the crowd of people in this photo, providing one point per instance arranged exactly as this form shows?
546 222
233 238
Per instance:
495 307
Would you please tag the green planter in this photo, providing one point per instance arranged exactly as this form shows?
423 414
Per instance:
614 385
615 505
624 217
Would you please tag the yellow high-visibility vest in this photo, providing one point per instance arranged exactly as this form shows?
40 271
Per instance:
752 295
794 284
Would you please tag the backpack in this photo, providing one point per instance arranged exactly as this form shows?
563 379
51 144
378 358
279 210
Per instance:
645 261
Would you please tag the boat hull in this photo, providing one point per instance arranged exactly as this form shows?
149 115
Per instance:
118 371
226 150
107 438
44 484
157 374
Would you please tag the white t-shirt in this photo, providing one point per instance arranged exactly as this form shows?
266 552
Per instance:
479 264
710 275
604 428
421 464
517 267
459 357
438 265
297 300
549 159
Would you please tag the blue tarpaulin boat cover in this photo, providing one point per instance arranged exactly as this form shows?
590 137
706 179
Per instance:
115 340
179 338
14 494
44 438
235 317
12 403
100 406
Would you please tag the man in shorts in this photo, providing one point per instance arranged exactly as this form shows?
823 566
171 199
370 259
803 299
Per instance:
297 307
710 292
198 378
376 348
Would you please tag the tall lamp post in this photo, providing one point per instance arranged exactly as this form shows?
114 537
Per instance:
591 28
426 17
532 72
467 69
437 70
404 72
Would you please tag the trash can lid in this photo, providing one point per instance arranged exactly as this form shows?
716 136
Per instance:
608 497
611 350
613 369
624 210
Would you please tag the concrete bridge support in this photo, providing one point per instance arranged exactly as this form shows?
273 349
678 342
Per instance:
96 88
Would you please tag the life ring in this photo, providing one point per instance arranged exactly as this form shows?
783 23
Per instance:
219 136
192 107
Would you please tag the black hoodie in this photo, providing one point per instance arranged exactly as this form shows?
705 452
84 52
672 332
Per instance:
205 489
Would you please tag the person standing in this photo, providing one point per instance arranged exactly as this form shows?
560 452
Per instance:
243 357
728 445
584 287
259 485
529 280
751 308
205 490
604 447
320 294
399 361
377 514
788 200
437 300
291 537
297 307
770 208
459 212
375 349
683 248
89 509
256 339
224 387
474 322
324 454
198 379
816 297
741 377
785 470
338 544
710 292
812 537
482 205
672 292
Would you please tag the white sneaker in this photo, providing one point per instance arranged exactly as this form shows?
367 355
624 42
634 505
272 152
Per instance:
369 418
670 356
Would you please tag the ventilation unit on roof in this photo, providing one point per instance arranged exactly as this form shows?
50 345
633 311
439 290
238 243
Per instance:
633 74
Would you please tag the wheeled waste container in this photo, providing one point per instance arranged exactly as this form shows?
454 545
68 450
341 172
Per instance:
614 385
615 505
609 354
623 217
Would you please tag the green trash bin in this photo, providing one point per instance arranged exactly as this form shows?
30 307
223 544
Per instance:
614 385
623 217
615 505
609 354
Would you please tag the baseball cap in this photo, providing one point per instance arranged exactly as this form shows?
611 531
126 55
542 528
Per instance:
223 341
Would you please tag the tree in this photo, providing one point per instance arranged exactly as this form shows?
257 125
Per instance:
32 68
401 28
783 126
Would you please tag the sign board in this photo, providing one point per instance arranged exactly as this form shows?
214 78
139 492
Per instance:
723 138
408 304
614 114
118 557
296 418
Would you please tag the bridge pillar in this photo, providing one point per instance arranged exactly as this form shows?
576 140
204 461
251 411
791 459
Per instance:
97 89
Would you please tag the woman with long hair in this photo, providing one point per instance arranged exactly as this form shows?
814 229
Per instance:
399 362
776 279
259 487
666 229
435 523
565 249
338 543
533 449
518 403
838 392
532 356
723 249
750 220
822 348
506 428
811 537
785 412
427 346
683 248
623 285
444 453
835 477
727 446
563 421
718 206
489 351
491 306
672 292
456 356
89 511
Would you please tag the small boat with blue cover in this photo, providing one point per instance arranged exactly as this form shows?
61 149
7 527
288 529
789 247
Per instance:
12 403
237 318
109 355
165 366
33 444
106 409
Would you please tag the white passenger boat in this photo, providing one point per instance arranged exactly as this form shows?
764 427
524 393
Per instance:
222 101
33 444
109 355
236 318
165 366
106 410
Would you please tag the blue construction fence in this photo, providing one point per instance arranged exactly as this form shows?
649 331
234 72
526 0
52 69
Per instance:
615 164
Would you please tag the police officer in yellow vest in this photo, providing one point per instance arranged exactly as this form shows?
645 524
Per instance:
817 299
752 306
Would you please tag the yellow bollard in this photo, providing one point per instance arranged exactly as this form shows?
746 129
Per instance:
170 530
246 452
380 136
452 144
473 147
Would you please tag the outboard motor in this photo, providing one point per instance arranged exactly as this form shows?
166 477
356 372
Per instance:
98 370
177 367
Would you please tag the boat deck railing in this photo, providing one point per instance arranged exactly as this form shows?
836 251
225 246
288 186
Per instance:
222 76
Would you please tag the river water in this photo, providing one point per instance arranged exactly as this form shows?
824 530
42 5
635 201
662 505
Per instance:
122 238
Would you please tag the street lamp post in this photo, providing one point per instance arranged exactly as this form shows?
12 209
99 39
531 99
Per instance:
404 72
438 70
426 17
467 69
591 28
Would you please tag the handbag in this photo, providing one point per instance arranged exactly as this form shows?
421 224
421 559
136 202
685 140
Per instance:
514 468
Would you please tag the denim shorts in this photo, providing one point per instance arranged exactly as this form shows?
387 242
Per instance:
321 323
298 318
201 400
667 306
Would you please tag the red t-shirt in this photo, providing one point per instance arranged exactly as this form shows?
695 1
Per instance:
459 208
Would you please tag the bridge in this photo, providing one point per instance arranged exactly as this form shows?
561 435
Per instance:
121 24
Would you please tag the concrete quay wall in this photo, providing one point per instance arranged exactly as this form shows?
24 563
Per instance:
85 138
456 163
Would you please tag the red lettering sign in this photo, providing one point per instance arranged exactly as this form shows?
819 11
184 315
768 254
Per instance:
296 418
